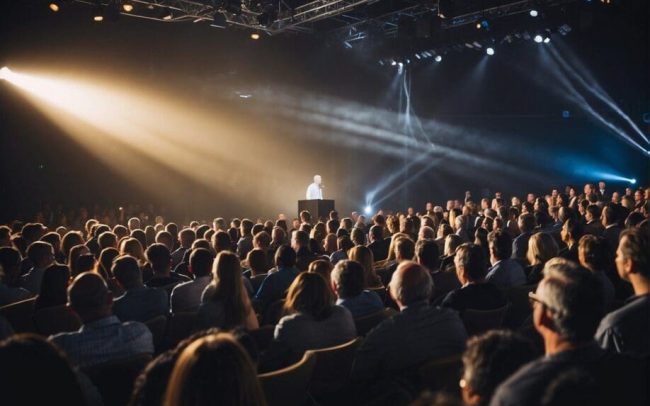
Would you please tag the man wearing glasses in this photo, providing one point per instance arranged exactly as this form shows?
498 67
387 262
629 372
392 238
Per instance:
567 308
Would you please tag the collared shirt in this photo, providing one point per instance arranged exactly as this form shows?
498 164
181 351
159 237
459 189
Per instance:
365 303
105 340
186 297
314 192
627 330
506 273
141 304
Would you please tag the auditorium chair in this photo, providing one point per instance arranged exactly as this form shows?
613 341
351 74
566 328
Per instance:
180 326
441 374
288 386
519 304
19 315
263 337
114 380
56 319
480 321
157 326
366 323
273 313
332 369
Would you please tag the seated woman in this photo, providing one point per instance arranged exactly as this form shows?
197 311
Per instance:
313 321
363 256
348 284
541 248
224 303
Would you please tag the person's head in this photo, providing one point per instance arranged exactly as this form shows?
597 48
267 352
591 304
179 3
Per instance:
404 249
5 236
89 297
262 240
54 286
228 288
526 222
568 303
376 233
541 248
187 237
107 239
85 262
41 254
500 244
221 241
133 223
105 262
75 253
572 231
363 255
159 258
322 267
256 259
54 239
317 179
410 283
490 359
609 215
309 294
32 232
427 254
470 263
141 237
299 239
344 243
28 358
127 272
133 247
246 227
214 370
358 236
165 238
120 231
10 266
452 242
348 279
633 255
594 253
285 257
426 233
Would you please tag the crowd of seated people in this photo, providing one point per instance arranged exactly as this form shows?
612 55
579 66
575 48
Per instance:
537 301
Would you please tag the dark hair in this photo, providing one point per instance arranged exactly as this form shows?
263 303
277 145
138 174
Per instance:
83 263
596 252
107 239
221 241
141 237
28 358
158 256
349 278
310 294
493 357
527 221
428 254
500 243
127 271
256 259
377 232
54 287
201 262
246 226
10 264
471 257
635 245
285 256
406 248
594 210
38 251
574 227
105 263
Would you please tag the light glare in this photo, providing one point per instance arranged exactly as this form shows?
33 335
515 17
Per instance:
368 209
490 51
538 38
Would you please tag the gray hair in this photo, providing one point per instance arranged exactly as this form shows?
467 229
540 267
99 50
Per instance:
411 283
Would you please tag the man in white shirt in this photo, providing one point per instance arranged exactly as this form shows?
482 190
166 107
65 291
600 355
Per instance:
315 190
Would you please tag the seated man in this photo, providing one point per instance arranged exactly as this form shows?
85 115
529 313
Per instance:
378 244
300 243
476 293
159 257
186 297
420 332
41 255
347 282
427 255
275 286
594 254
505 271
138 303
627 330
567 308
102 337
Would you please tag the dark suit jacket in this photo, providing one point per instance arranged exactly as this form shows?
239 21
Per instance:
475 296
611 234
379 249
520 245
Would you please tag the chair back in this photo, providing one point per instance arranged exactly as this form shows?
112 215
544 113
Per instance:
56 319
480 321
366 323
332 370
519 305
288 386
157 325
114 380
273 313
19 315
263 337
180 326
442 374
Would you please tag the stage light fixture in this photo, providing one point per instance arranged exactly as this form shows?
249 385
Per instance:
367 210
417 56
489 51
219 20
98 13
438 58
54 6
533 13
166 14
255 36
547 40
127 6
4 73
538 38
483 24
393 63
633 181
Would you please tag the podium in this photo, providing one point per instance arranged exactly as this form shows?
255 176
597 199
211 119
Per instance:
318 208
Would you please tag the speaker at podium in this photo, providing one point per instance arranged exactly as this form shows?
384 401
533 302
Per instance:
319 208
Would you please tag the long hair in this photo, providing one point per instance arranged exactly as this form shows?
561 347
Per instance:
541 248
364 256
228 288
309 294
214 370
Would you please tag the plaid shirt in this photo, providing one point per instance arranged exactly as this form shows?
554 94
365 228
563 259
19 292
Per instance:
105 340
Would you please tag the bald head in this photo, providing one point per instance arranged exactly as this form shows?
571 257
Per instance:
410 283
317 179
89 296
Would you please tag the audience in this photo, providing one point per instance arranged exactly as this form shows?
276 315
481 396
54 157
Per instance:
10 290
159 258
348 285
54 287
275 286
138 303
41 255
186 296
541 248
505 271
593 254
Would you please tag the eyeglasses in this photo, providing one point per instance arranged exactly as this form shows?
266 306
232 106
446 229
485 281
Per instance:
535 298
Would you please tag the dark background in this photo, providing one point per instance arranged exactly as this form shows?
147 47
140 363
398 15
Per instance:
507 112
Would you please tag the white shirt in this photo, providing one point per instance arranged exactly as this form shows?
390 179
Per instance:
314 192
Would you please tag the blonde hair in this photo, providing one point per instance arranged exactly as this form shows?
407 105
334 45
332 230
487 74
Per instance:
541 248
363 255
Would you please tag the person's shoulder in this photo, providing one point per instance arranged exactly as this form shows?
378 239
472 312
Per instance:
629 312
136 328
515 390
341 312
